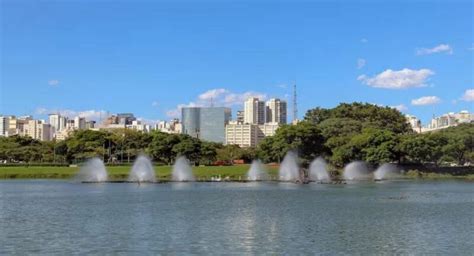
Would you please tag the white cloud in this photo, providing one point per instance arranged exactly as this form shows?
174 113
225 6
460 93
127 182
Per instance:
53 82
154 104
400 107
282 86
401 79
426 100
437 49
468 95
364 40
88 114
212 94
218 97
471 48
361 63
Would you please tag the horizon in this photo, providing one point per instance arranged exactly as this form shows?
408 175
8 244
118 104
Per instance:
87 57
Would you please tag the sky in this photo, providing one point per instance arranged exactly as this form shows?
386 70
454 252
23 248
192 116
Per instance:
150 58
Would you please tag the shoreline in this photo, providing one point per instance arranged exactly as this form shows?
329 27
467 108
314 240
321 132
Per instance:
236 173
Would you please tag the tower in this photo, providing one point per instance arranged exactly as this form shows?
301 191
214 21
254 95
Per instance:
295 106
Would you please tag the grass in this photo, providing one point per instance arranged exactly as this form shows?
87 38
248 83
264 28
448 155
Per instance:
234 172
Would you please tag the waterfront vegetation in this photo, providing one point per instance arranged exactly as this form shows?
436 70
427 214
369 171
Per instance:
343 134
234 172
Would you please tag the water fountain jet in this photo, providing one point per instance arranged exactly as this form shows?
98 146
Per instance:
357 170
386 171
92 171
257 171
182 170
289 169
142 170
319 171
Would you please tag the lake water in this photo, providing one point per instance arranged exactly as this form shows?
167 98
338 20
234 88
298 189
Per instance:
403 217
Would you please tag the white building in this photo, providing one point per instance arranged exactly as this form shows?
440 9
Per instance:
248 135
254 111
79 123
39 130
414 122
276 111
448 120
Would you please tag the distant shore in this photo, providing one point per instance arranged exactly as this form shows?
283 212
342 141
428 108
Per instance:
163 173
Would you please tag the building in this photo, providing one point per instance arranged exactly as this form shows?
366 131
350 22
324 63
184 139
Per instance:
4 125
126 118
414 122
240 117
206 123
173 126
276 111
441 122
248 135
39 130
254 111
57 122
17 125
79 123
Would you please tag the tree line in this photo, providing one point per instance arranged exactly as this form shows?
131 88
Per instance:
348 132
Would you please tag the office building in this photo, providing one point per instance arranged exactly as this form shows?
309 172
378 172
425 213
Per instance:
39 130
205 123
4 125
276 111
254 111
79 123
248 135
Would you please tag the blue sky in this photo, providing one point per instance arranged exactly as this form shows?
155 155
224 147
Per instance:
149 58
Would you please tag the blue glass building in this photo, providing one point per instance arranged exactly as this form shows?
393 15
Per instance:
205 123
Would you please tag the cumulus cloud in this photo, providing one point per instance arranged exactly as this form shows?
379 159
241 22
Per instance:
446 48
154 104
468 95
53 82
401 79
426 100
361 63
400 107
216 97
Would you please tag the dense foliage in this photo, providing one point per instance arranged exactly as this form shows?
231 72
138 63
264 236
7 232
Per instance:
368 132
343 134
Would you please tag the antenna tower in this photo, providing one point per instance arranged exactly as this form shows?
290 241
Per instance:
295 105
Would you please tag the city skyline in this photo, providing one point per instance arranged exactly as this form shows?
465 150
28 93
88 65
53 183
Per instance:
154 63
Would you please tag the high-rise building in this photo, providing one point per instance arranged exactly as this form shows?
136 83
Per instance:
38 129
254 111
57 122
125 118
276 111
79 123
4 124
240 117
205 123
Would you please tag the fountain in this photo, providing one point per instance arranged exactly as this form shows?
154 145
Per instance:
357 170
142 170
385 171
289 170
92 171
318 170
182 170
257 171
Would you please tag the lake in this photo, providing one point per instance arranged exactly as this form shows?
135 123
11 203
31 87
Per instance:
392 217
